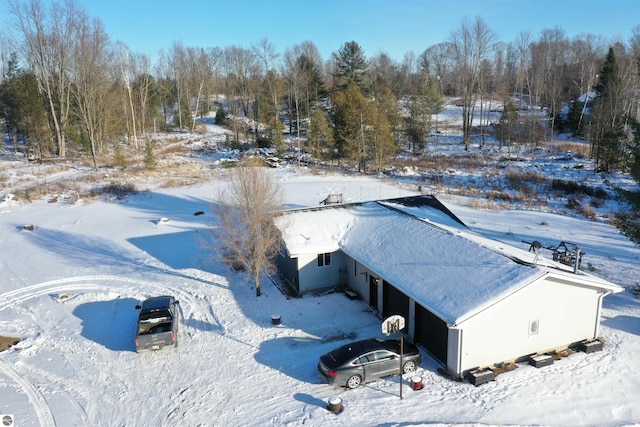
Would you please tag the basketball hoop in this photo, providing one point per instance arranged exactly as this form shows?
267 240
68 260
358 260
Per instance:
392 324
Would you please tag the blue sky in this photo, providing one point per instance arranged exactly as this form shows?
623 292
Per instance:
391 26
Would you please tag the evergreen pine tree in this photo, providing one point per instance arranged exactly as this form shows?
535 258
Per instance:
607 123
427 101
312 83
507 127
22 106
351 66
149 156
118 157
349 106
416 124
575 117
321 140
363 131
433 98
221 116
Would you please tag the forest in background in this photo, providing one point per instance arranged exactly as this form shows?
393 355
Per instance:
67 89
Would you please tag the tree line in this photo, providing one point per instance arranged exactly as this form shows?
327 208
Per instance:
66 88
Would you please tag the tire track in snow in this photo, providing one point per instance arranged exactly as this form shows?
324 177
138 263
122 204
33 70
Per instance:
82 386
16 296
199 316
40 405
55 383
19 295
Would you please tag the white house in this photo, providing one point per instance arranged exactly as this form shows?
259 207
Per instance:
470 301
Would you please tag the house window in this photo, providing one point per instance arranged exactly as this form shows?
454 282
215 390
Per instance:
355 268
534 327
324 259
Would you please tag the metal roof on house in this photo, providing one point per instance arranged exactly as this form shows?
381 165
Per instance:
421 249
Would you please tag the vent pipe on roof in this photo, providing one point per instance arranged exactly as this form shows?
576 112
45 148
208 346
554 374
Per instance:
577 263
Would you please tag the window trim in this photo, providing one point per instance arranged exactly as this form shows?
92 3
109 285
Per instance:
324 259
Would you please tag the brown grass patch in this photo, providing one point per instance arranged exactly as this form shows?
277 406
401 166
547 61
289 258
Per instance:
501 368
518 180
6 342
170 149
588 212
580 149
557 355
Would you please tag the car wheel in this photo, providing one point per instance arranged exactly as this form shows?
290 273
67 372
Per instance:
409 366
354 381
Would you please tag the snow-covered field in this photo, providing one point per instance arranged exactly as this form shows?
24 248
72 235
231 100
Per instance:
68 290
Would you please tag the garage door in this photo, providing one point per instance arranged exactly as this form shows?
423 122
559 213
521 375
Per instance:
395 302
432 333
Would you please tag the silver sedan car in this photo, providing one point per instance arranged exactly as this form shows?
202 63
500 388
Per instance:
367 360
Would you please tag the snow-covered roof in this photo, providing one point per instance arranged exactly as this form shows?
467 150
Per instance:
316 230
423 249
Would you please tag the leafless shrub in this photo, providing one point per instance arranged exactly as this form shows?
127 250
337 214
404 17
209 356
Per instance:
481 204
519 180
537 202
32 193
24 195
200 128
579 150
120 189
574 204
571 187
472 190
437 162
167 149
505 195
588 212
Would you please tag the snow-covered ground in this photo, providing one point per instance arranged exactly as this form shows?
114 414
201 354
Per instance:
68 290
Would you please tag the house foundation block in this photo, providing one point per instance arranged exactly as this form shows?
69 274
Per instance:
591 346
481 376
541 360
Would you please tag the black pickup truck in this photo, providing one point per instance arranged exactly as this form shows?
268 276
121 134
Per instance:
157 323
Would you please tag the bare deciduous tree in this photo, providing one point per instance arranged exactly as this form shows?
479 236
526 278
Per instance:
470 45
549 54
294 87
241 64
266 55
90 90
585 53
144 88
242 70
127 73
248 236
216 62
49 36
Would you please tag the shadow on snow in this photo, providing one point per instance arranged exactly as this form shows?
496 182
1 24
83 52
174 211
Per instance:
109 323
